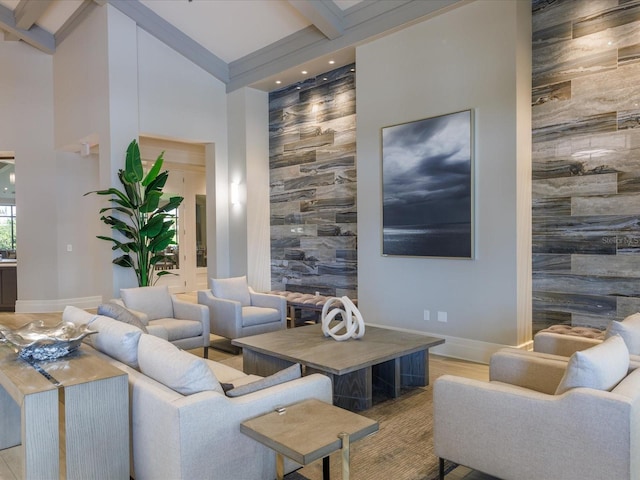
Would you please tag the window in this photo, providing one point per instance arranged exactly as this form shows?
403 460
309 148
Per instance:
8 227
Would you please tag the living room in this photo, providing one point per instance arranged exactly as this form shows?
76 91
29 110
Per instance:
68 98
86 91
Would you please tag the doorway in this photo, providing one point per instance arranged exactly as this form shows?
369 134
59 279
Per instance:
186 257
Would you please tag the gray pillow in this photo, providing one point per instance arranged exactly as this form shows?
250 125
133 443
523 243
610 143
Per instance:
118 312
289 373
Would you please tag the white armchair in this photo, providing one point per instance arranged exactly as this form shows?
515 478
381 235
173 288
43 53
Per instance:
184 324
236 311
524 424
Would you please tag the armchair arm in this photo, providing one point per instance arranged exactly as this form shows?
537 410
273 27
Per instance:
536 371
225 316
492 427
191 311
269 301
561 344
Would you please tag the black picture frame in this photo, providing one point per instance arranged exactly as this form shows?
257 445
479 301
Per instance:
428 187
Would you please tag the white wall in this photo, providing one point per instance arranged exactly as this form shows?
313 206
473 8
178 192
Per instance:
426 70
181 101
26 127
250 250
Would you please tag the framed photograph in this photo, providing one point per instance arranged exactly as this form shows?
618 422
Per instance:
427 187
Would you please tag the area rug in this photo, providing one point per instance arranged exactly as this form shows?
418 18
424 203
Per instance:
401 450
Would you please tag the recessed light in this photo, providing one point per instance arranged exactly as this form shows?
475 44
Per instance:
278 82
304 72
331 62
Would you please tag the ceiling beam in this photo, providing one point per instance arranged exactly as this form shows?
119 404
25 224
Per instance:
363 21
28 12
323 14
35 36
157 26
82 12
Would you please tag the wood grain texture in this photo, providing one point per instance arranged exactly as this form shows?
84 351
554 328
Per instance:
586 136
313 183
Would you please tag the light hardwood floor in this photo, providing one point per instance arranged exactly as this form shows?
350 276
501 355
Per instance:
9 458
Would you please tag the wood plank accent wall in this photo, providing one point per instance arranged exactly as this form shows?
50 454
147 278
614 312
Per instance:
586 161
312 141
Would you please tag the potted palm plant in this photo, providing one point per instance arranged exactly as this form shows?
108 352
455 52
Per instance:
146 228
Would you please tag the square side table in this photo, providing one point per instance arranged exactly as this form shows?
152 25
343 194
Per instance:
308 431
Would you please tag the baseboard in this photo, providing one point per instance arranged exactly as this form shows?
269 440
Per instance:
57 305
463 348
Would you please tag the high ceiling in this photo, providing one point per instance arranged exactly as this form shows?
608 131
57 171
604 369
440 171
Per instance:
241 42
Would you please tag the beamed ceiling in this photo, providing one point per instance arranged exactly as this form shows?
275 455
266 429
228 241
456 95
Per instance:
240 42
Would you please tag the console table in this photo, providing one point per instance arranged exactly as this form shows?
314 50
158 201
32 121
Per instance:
70 416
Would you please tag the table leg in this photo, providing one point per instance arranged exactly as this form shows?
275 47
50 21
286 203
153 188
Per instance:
279 466
326 468
345 455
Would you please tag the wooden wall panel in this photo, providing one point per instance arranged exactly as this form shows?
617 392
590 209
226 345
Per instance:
312 127
586 161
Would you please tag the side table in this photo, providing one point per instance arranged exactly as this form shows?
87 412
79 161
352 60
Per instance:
308 431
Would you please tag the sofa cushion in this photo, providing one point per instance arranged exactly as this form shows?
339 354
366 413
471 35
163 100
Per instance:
259 315
179 370
77 316
286 375
235 288
117 339
178 329
118 312
600 367
629 330
154 301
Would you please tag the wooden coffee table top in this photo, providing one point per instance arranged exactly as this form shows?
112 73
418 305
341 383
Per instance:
309 430
308 345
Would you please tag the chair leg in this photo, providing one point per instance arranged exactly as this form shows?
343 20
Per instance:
206 352
441 468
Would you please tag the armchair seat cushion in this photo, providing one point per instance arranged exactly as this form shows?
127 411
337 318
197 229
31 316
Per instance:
259 316
178 329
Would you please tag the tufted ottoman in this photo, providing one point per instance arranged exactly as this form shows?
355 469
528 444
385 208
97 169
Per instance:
303 301
565 340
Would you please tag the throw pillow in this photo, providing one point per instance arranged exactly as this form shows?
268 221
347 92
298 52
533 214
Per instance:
154 301
118 312
286 375
629 330
179 370
235 288
116 339
600 367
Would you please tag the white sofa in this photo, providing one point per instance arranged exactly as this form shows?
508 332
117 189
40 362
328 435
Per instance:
532 421
197 435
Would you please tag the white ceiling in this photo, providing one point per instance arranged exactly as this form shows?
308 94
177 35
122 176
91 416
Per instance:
241 42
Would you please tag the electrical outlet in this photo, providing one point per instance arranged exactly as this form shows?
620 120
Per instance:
69 247
442 317
427 315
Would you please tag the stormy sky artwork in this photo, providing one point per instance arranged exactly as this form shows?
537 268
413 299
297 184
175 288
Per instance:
427 187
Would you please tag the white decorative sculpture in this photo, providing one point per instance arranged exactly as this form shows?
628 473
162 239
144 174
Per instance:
353 329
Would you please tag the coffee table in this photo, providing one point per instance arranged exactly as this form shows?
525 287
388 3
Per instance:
308 431
384 359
